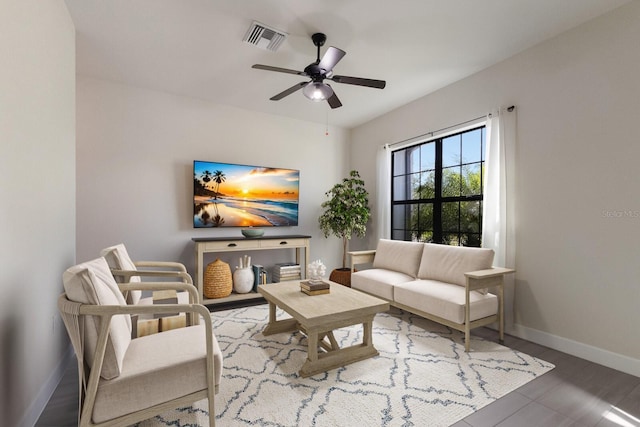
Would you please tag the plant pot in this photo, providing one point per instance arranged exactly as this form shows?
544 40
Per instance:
341 276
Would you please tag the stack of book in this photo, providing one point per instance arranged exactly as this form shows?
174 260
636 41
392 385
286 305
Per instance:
286 271
314 288
259 276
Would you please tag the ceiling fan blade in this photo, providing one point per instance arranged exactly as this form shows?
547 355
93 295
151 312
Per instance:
289 91
333 101
331 57
278 69
359 81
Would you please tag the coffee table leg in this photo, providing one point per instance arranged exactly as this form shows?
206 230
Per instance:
277 326
337 357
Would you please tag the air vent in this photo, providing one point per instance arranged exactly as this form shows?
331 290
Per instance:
264 37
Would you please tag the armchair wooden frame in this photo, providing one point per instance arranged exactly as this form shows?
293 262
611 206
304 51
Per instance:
88 383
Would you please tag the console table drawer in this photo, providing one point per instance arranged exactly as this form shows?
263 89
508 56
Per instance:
278 243
232 244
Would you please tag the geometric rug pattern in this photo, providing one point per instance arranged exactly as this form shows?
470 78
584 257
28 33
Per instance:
422 377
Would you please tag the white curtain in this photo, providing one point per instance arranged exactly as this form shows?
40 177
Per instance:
383 196
498 221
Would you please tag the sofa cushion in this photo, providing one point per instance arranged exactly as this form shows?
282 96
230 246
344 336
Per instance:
92 283
449 263
118 258
398 255
378 282
158 368
445 300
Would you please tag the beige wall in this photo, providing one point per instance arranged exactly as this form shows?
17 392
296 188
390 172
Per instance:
578 106
135 156
37 199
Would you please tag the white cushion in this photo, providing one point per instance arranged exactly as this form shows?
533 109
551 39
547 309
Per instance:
378 282
445 300
449 263
92 283
118 258
158 368
398 255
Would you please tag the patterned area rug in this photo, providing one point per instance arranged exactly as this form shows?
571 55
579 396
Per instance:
422 376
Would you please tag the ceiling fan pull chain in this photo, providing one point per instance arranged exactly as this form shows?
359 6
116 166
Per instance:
326 130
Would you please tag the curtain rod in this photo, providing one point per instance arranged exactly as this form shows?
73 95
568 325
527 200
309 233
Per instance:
509 109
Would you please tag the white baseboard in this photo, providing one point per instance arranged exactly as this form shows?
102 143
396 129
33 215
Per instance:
46 391
584 351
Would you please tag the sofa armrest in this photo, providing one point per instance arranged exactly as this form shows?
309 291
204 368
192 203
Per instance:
491 277
361 257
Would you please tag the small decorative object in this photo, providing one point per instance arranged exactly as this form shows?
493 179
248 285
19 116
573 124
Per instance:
243 276
316 271
252 232
217 280
346 213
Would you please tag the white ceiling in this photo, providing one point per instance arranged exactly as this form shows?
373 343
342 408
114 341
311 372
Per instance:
194 47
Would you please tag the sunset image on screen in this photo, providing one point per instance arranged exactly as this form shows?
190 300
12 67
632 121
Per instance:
234 195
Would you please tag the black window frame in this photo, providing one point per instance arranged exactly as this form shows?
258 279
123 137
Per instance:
470 236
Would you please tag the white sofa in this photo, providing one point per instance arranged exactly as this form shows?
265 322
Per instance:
446 284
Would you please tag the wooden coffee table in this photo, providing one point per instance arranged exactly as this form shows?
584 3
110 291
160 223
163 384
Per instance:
318 316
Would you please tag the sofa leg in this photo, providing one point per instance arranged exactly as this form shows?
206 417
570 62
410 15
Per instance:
467 340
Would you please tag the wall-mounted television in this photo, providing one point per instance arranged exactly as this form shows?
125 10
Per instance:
233 195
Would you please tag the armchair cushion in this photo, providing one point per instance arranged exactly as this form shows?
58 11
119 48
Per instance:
397 255
92 283
117 257
449 263
152 361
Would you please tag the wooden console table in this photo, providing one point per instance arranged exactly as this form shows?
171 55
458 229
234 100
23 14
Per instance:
229 244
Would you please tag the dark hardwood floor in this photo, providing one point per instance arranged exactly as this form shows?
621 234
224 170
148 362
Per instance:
576 393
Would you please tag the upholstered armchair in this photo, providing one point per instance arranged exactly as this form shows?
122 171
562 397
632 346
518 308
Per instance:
125 380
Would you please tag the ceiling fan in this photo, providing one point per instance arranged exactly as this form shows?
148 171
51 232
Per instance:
316 89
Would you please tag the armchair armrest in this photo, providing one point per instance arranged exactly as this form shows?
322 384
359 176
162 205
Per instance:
194 297
161 264
361 257
127 274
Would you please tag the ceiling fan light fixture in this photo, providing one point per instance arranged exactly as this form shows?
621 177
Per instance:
317 91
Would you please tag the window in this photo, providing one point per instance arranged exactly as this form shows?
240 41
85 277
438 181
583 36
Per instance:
436 191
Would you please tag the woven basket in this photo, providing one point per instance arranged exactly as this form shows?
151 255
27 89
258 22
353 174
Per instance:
218 282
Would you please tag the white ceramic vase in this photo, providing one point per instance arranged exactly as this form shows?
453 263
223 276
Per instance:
243 280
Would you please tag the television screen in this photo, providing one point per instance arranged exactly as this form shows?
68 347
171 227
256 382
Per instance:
230 195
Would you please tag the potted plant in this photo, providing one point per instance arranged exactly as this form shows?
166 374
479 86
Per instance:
346 213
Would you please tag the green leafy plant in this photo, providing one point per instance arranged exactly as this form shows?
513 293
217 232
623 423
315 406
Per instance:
346 212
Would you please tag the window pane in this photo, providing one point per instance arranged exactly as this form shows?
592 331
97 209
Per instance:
415 186
451 239
471 180
472 146
427 188
400 188
451 151
470 216
399 217
450 217
451 182
399 161
414 159
428 156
